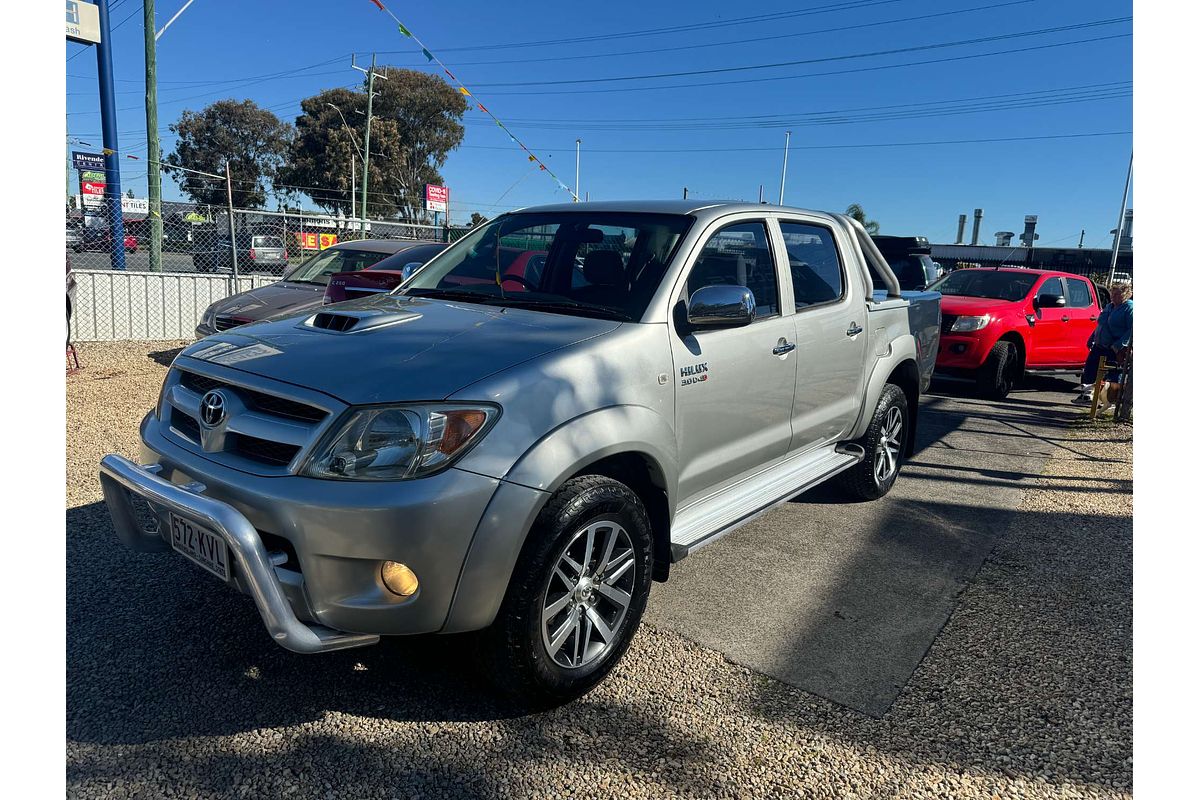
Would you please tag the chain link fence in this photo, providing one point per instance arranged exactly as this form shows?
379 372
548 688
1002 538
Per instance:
201 263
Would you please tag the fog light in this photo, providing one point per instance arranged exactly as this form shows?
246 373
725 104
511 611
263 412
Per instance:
959 348
399 579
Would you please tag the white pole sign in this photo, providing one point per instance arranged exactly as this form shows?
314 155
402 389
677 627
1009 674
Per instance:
83 22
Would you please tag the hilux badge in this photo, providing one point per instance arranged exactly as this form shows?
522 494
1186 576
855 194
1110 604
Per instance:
693 373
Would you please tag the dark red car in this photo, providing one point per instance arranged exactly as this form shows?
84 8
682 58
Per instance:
101 239
999 323
383 276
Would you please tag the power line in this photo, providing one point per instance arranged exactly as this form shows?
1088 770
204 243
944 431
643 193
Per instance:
751 40
854 5
826 59
775 149
676 87
939 109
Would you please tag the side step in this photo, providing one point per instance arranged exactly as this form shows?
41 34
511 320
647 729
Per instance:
710 518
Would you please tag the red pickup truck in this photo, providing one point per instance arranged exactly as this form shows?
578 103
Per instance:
998 323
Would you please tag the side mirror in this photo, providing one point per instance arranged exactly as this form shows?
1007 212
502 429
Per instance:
721 307
410 269
1049 301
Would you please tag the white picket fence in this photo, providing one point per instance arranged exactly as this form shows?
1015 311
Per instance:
112 305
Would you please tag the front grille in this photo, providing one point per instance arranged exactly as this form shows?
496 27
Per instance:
225 323
268 403
185 425
263 451
948 321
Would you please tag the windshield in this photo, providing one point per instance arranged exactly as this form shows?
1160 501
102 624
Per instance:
993 284
605 264
318 268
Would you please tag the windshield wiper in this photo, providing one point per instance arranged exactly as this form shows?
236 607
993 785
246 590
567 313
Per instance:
452 294
564 305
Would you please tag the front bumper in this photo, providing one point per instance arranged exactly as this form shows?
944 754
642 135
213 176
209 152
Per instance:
121 480
338 534
961 351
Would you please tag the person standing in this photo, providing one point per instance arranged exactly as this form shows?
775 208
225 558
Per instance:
1110 340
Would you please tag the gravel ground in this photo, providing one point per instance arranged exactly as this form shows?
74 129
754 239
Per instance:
173 692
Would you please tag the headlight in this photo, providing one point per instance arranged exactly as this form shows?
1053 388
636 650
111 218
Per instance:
209 318
965 324
389 443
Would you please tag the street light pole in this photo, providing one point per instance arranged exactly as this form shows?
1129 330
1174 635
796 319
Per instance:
353 159
1112 267
577 143
371 76
783 176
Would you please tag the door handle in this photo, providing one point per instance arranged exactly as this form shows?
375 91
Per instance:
1065 318
1092 317
783 348
853 330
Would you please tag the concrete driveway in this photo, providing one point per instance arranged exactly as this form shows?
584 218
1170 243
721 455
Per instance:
843 599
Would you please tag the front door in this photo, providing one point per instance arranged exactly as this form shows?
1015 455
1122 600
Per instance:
831 335
734 386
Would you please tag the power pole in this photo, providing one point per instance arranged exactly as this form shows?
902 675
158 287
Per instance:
1112 267
783 176
1081 233
108 127
685 193
371 76
577 143
153 169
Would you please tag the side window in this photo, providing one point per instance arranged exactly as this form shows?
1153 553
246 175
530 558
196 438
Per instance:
1052 286
1078 294
739 255
814 264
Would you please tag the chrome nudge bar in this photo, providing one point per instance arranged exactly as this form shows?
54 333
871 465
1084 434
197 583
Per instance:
121 479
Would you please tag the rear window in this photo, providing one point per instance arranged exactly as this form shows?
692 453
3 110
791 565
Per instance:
267 241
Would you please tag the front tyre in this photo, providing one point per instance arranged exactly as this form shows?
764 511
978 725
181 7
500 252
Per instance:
576 596
883 444
999 373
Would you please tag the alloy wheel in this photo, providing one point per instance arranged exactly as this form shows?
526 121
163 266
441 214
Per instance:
588 594
887 451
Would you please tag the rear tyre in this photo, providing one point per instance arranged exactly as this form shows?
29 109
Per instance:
883 444
999 373
576 596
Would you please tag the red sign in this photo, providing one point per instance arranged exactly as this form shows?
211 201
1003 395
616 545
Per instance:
93 188
436 197
314 240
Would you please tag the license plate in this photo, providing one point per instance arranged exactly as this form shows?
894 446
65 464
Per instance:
200 545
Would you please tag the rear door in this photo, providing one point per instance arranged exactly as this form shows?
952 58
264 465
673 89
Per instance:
1050 328
831 333
1083 310
734 386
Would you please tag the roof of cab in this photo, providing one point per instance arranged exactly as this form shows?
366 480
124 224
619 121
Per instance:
690 207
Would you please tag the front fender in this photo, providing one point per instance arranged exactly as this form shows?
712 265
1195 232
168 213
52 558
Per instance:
533 479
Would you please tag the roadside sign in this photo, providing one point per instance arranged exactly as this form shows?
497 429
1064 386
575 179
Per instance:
135 205
83 22
87 161
436 198
326 240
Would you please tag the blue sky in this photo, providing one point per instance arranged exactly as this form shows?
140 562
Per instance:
651 137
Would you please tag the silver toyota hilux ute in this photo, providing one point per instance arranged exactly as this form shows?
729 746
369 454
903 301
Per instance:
532 428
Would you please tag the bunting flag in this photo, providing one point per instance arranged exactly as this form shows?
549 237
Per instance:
430 57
